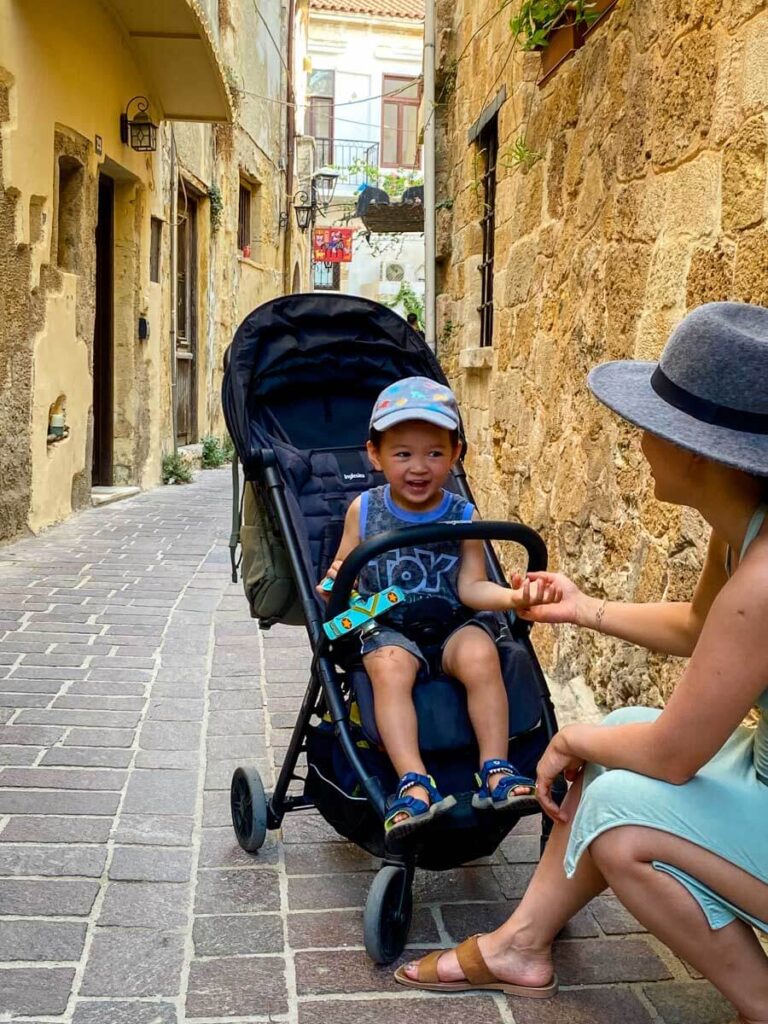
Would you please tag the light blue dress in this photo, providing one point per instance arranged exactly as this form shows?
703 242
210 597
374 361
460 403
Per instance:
723 809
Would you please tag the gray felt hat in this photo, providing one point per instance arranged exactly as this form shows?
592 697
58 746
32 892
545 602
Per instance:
708 392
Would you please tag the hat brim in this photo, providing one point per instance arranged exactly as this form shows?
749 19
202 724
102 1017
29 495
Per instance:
439 419
625 387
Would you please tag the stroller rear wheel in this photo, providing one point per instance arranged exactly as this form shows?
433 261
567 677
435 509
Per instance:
387 917
248 803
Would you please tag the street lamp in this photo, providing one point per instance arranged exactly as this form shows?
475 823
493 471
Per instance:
324 183
304 208
319 197
140 133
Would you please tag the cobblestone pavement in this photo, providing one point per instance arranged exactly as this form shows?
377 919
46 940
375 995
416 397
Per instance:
132 682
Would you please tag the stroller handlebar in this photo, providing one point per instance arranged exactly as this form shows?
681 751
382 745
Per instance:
431 533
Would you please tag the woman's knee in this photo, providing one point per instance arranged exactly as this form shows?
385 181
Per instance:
619 850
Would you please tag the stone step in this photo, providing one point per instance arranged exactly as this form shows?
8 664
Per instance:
109 495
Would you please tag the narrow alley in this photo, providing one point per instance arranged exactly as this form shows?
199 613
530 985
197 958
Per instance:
133 683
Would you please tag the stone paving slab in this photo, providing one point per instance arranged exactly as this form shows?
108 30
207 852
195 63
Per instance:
132 683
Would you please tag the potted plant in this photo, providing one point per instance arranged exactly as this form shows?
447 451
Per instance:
556 28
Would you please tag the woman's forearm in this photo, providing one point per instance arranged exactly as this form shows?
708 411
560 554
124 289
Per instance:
636 747
668 627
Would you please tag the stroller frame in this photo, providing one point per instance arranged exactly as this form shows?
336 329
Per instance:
389 905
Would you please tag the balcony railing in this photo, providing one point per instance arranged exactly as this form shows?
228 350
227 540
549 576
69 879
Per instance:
353 160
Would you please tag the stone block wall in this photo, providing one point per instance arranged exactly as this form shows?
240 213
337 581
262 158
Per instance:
647 198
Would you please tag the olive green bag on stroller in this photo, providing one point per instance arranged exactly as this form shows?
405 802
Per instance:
264 566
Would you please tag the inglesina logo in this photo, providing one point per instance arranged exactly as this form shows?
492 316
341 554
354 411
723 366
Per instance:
354 476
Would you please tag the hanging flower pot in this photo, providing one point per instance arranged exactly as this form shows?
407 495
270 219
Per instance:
561 43
598 9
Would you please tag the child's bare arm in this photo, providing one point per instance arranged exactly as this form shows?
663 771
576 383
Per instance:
476 591
349 540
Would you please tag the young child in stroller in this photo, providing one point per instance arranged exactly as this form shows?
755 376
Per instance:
414 441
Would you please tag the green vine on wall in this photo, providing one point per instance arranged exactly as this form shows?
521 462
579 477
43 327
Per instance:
217 206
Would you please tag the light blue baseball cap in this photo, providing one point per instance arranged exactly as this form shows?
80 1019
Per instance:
416 398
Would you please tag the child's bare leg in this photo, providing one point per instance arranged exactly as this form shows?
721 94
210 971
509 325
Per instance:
471 657
392 672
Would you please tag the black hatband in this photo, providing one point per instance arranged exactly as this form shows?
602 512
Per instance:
706 411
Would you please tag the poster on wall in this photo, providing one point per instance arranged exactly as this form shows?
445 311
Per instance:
332 245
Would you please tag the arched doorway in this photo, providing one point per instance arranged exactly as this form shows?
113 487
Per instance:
296 285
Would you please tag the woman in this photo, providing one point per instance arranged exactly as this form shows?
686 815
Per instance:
668 808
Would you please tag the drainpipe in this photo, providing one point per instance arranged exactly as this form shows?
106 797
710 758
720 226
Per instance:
174 280
290 142
430 224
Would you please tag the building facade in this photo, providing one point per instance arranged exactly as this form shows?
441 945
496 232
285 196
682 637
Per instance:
124 271
363 92
580 217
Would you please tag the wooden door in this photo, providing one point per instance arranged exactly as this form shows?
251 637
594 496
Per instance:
103 348
186 321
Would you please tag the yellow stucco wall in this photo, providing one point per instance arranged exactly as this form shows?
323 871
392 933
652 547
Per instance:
66 74
52 55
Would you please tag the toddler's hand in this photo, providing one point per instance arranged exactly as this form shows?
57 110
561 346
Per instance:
332 573
528 593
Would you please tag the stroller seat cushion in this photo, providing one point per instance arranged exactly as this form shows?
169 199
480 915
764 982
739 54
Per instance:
441 703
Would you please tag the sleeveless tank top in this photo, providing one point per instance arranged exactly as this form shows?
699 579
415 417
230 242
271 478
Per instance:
431 571
760 748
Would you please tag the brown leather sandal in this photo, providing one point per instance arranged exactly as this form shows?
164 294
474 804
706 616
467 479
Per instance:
476 975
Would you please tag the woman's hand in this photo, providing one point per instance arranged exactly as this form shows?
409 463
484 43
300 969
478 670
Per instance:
556 758
571 606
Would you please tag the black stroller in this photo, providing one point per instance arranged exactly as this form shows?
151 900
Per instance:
302 375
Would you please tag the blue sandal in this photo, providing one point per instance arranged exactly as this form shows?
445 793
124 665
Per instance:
503 796
419 813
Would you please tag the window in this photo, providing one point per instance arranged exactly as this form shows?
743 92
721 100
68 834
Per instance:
488 144
244 219
327 278
155 246
249 219
320 91
399 117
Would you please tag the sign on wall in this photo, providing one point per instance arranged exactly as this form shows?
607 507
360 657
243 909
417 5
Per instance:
332 245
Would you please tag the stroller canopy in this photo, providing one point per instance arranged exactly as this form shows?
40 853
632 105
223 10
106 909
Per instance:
305 370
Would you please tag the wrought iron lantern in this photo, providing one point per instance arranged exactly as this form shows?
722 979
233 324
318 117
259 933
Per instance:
319 197
324 184
305 209
139 132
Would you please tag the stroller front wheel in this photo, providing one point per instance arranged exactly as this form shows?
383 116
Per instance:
387 917
248 803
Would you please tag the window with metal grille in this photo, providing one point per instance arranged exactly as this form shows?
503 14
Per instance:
155 244
320 91
488 145
326 278
399 121
244 219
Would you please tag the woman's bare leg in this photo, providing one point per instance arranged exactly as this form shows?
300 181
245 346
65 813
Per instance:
731 957
520 950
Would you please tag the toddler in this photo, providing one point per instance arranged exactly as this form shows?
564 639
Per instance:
414 441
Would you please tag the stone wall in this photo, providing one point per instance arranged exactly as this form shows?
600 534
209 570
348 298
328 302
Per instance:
649 198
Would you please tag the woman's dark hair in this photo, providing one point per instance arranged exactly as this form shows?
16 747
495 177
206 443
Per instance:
375 437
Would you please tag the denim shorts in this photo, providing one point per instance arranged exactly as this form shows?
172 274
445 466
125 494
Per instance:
385 636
